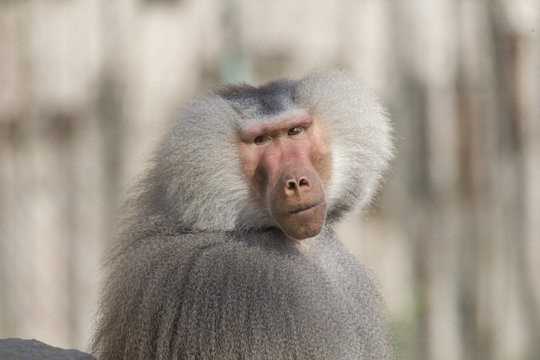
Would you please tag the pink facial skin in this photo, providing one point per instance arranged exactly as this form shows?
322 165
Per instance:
287 161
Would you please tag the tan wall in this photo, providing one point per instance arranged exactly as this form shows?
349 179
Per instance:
88 86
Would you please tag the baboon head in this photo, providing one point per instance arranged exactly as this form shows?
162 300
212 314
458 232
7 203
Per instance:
290 154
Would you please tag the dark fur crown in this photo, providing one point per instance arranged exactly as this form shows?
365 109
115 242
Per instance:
269 99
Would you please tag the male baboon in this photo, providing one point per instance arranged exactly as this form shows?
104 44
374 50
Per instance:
228 249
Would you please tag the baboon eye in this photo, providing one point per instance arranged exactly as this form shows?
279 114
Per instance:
261 139
294 131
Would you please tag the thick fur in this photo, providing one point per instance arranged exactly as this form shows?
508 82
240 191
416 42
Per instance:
200 272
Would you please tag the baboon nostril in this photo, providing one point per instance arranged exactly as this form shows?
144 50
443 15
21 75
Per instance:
291 185
303 182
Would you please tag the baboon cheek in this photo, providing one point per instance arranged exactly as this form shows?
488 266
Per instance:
304 224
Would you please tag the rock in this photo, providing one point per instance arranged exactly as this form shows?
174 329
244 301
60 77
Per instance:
19 349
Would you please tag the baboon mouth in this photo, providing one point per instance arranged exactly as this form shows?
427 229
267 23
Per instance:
305 207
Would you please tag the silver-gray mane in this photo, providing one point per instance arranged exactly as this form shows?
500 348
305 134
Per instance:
357 127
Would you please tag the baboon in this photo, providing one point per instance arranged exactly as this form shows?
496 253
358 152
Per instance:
228 249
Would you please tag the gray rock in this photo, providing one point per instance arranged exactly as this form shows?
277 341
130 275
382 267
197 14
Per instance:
19 349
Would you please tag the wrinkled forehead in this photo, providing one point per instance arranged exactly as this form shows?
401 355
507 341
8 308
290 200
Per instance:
250 128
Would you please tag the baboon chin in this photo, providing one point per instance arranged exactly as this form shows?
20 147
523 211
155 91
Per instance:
206 264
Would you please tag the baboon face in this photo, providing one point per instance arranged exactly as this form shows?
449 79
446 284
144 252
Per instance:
286 160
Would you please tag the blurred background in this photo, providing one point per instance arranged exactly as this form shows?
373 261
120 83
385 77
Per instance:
87 87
